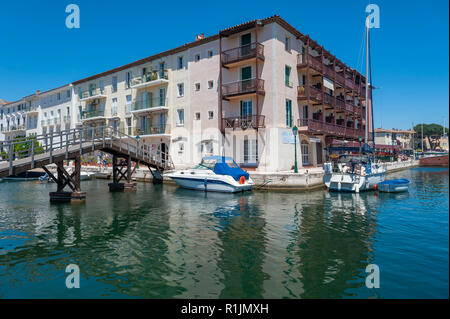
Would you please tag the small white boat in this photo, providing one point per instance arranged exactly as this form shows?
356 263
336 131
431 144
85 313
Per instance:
353 174
394 186
84 176
214 174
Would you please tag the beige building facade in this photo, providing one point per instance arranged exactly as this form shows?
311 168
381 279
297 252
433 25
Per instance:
238 93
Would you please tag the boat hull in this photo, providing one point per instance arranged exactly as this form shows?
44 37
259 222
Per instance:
341 182
210 185
394 186
441 160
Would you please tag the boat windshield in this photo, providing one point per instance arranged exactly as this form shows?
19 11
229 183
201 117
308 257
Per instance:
206 164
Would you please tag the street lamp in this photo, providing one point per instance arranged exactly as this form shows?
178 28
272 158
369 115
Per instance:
137 149
295 132
360 140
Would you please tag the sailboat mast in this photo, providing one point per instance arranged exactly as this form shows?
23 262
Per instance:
366 132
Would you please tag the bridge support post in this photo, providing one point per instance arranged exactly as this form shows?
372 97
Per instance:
64 179
122 170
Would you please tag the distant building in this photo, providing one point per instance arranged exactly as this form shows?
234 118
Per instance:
402 140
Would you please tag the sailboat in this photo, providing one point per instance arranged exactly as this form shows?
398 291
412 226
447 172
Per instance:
355 173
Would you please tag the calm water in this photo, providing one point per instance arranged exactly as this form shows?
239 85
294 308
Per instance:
165 242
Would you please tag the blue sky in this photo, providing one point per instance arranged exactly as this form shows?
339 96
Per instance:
410 52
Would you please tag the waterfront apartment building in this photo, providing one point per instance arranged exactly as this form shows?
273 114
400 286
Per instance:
238 93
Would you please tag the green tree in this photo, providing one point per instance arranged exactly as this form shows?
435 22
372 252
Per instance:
430 133
22 146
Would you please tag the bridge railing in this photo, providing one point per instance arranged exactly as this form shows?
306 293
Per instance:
53 142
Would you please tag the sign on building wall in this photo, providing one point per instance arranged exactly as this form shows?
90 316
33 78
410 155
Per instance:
287 137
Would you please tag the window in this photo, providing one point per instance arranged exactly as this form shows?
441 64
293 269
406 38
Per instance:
180 119
180 62
305 153
114 84
210 115
250 151
181 147
197 57
114 106
197 116
197 86
288 113
210 53
287 76
246 108
287 44
180 89
210 84
59 96
128 103
68 93
128 80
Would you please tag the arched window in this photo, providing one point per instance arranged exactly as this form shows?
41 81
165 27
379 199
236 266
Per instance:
305 153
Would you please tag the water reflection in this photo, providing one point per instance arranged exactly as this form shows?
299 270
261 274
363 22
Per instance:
166 242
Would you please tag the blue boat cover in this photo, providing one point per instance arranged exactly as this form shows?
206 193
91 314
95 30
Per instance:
399 181
222 167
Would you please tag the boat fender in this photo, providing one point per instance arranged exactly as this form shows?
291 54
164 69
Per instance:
242 180
375 187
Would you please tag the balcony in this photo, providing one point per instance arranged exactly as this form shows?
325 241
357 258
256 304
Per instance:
319 127
67 119
238 55
14 129
328 99
340 79
349 83
150 105
152 78
57 121
31 109
313 92
328 71
92 94
340 103
350 106
93 115
307 60
43 122
245 122
244 87
156 130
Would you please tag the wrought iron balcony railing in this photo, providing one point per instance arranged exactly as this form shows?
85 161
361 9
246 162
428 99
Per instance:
154 129
244 122
91 114
242 53
243 87
310 125
148 104
150 76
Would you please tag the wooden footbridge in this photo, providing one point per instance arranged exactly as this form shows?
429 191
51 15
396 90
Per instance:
26 153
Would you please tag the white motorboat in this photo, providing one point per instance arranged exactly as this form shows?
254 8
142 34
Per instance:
353 174
84 176
214 174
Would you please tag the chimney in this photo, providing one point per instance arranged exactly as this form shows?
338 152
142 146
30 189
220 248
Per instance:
200 37
38 92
